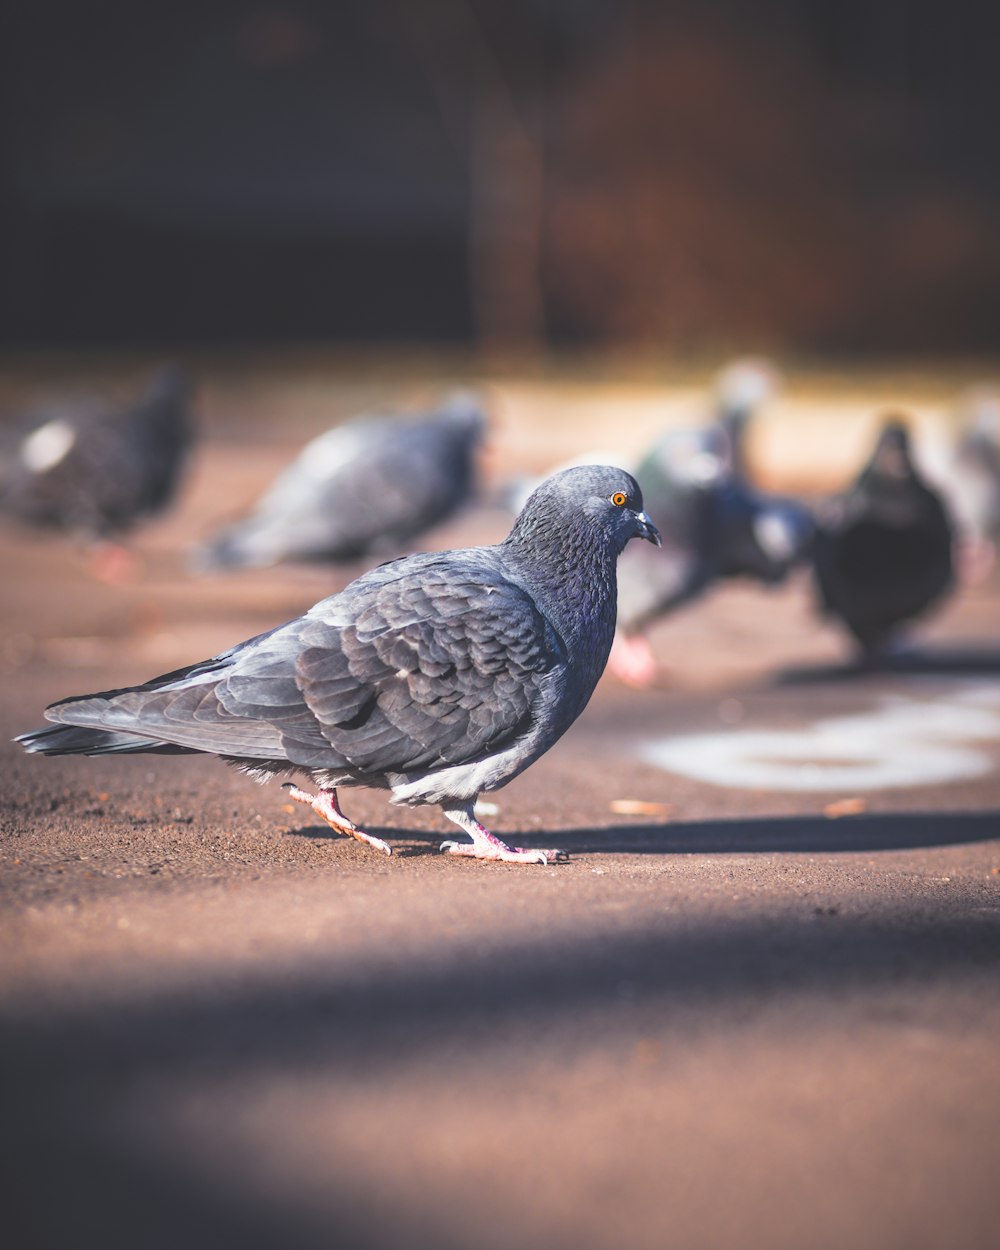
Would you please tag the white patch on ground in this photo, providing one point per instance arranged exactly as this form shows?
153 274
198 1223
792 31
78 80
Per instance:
45 447
904 741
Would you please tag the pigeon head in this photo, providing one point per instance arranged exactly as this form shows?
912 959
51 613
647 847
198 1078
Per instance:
892 457
465 410
592 499
170 383
979 412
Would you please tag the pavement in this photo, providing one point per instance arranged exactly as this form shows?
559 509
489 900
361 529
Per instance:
741 1015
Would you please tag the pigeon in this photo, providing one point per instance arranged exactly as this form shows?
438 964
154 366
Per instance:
740 388
716 525
365 488
883 549
738 391
96 471
434 676
971 483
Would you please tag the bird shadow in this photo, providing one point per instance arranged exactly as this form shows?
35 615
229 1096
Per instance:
890 831
882 831
975 660
925 662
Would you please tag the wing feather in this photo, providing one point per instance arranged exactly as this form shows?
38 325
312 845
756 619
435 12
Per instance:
410 668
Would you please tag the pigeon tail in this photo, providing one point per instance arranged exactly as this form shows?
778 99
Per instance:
78 740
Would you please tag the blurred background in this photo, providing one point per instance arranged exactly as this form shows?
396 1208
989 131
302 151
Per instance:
812 177
734 1019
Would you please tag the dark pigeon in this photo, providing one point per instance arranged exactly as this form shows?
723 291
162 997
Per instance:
435 676
883 549
97 470
716 525
369 487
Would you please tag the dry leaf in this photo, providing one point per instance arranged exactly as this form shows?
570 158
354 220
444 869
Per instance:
638 807
845 807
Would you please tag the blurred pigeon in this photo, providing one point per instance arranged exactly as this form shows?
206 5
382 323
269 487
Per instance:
364 488
738 391
971 482
435 676
740 388
96 470
883 549
715 525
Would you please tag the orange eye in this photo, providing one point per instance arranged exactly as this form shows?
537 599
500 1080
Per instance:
619 499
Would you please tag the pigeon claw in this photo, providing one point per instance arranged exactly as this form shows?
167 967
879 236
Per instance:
325 805
632 661
503 854
486 845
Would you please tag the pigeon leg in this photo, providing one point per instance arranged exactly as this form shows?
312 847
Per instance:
325 805
975 559
632 661
486 845
112 563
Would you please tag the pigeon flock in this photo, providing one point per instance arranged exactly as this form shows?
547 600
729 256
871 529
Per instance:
441 676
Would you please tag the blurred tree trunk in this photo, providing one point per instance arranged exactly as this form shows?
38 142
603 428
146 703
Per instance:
503 157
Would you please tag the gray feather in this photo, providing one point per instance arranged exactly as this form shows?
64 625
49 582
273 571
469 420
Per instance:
372 485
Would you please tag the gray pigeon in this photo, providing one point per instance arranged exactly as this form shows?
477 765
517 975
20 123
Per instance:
737 393
435 676
365 488
716 525
883 549
95 470
971 482
740 388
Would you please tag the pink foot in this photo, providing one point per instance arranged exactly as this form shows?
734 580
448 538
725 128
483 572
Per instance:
975 559
325 805
486 845
632 661
113 564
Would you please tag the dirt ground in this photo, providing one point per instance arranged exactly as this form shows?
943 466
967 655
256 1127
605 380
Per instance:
739 1016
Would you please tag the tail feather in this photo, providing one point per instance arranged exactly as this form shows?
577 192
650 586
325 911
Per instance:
77 740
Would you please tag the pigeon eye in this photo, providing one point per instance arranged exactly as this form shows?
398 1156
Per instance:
619 499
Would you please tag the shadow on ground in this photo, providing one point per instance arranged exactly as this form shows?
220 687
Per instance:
966 661
87 1164
894 831
890 831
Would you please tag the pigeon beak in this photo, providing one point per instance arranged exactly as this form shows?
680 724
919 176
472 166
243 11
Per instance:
647 530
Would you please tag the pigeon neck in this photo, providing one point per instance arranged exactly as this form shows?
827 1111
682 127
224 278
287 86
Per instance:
573 579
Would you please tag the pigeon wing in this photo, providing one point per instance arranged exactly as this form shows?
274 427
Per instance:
399 673
434 669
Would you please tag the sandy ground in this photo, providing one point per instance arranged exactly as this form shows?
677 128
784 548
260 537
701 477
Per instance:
732 1019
